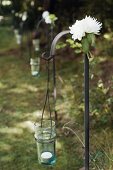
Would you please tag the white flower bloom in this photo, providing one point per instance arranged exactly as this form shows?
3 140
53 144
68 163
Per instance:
77 30
45 14
91 25
86 25
48 20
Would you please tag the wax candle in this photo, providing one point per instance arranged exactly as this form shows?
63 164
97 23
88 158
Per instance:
46 156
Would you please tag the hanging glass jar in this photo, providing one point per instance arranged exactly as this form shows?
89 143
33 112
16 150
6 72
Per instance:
16 31
18 39
36 44
35 66
45 135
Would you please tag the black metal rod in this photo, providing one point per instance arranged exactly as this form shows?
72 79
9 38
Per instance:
29 44
38 24
54 90
86 113
54 77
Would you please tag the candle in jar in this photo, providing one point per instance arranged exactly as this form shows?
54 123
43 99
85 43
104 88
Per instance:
46 156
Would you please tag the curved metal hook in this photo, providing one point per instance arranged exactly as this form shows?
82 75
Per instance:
53 45
37 26
45 57
52 50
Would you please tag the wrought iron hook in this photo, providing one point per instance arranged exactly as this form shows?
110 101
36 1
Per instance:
39 22
53 46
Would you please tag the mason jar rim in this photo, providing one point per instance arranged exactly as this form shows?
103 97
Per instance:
34 61
38 124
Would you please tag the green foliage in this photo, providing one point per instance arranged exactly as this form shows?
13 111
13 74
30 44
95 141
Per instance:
53 18
74 45
100 98
91 39
60 45
87 42
85 45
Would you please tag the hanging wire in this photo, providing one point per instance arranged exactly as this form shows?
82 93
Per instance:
47 97
54 75
29 44
38 23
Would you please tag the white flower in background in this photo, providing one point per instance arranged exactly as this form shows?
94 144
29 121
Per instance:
45 14
48 20
6 3
46 17
86 25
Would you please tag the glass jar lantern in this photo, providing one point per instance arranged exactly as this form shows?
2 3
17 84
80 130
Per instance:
18 39
35 66
45 135
16 31
36 44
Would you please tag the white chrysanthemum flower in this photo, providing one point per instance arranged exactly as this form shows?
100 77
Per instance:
45 14
91 25
86 25
48 20
77 30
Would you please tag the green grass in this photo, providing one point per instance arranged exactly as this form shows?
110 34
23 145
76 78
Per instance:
21 102
7 40
21 97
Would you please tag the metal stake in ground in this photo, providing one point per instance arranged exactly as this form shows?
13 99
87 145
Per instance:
86 113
